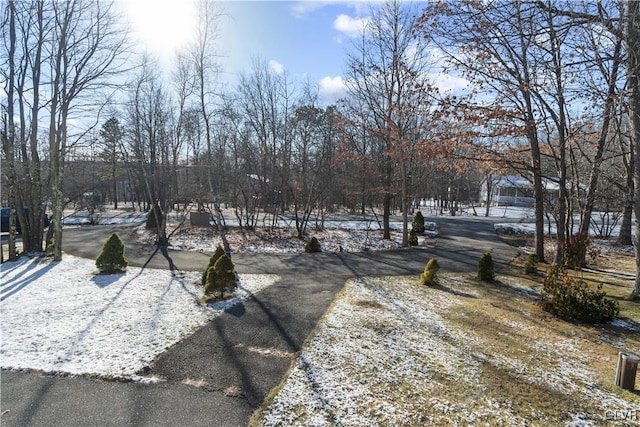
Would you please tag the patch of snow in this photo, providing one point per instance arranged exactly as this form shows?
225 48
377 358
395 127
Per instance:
625 324
515 228
60 317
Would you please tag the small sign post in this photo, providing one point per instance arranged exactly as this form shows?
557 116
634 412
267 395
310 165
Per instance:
626 371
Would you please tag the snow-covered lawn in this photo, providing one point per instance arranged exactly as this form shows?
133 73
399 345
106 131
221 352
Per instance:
390 352
61 317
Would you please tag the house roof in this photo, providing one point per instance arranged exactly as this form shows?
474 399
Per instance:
514 181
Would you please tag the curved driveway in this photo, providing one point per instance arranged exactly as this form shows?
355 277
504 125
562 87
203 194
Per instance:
239 356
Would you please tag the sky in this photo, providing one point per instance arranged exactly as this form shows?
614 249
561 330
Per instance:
308 39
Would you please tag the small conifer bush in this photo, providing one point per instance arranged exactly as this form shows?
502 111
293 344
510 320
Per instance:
212 261
221 276
418 223
485 268
112 258
429 275
226 276
531 266
211 284
413 238
313 245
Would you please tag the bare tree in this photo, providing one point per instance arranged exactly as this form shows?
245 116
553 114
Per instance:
494 45
311 159
203 58
623 21
265 98
73 48
150 138
8 132
388 72
28 27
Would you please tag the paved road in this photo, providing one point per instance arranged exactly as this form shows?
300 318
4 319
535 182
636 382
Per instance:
239 356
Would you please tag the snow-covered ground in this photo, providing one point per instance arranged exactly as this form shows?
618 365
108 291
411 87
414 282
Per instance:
386 354
520 220
62 318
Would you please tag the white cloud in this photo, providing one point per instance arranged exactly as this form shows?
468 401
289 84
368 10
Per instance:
350 26
303 8
448 83
276 67
331 89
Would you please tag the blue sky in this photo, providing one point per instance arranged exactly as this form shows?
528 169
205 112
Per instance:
306 38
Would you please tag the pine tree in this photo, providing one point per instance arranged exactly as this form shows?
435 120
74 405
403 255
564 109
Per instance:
112 259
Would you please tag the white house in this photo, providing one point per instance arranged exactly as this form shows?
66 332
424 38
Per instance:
511 190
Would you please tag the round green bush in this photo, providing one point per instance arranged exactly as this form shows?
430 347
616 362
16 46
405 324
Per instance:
112 258
485 268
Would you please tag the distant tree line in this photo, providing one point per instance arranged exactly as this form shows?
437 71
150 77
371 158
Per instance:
545 90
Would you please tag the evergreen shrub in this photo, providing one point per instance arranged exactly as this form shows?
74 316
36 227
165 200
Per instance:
221 276
485 268
212 261
112 258
226 276
211 284
313 245
418 223
413 238
571 298
429 275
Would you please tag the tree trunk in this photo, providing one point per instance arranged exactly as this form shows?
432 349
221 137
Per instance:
386 217
585 219
8 137
625 235
633 38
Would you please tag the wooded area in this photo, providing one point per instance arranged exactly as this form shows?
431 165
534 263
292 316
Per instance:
550 93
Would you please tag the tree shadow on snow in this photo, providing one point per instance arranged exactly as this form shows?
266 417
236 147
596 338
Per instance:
104 280
16 284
